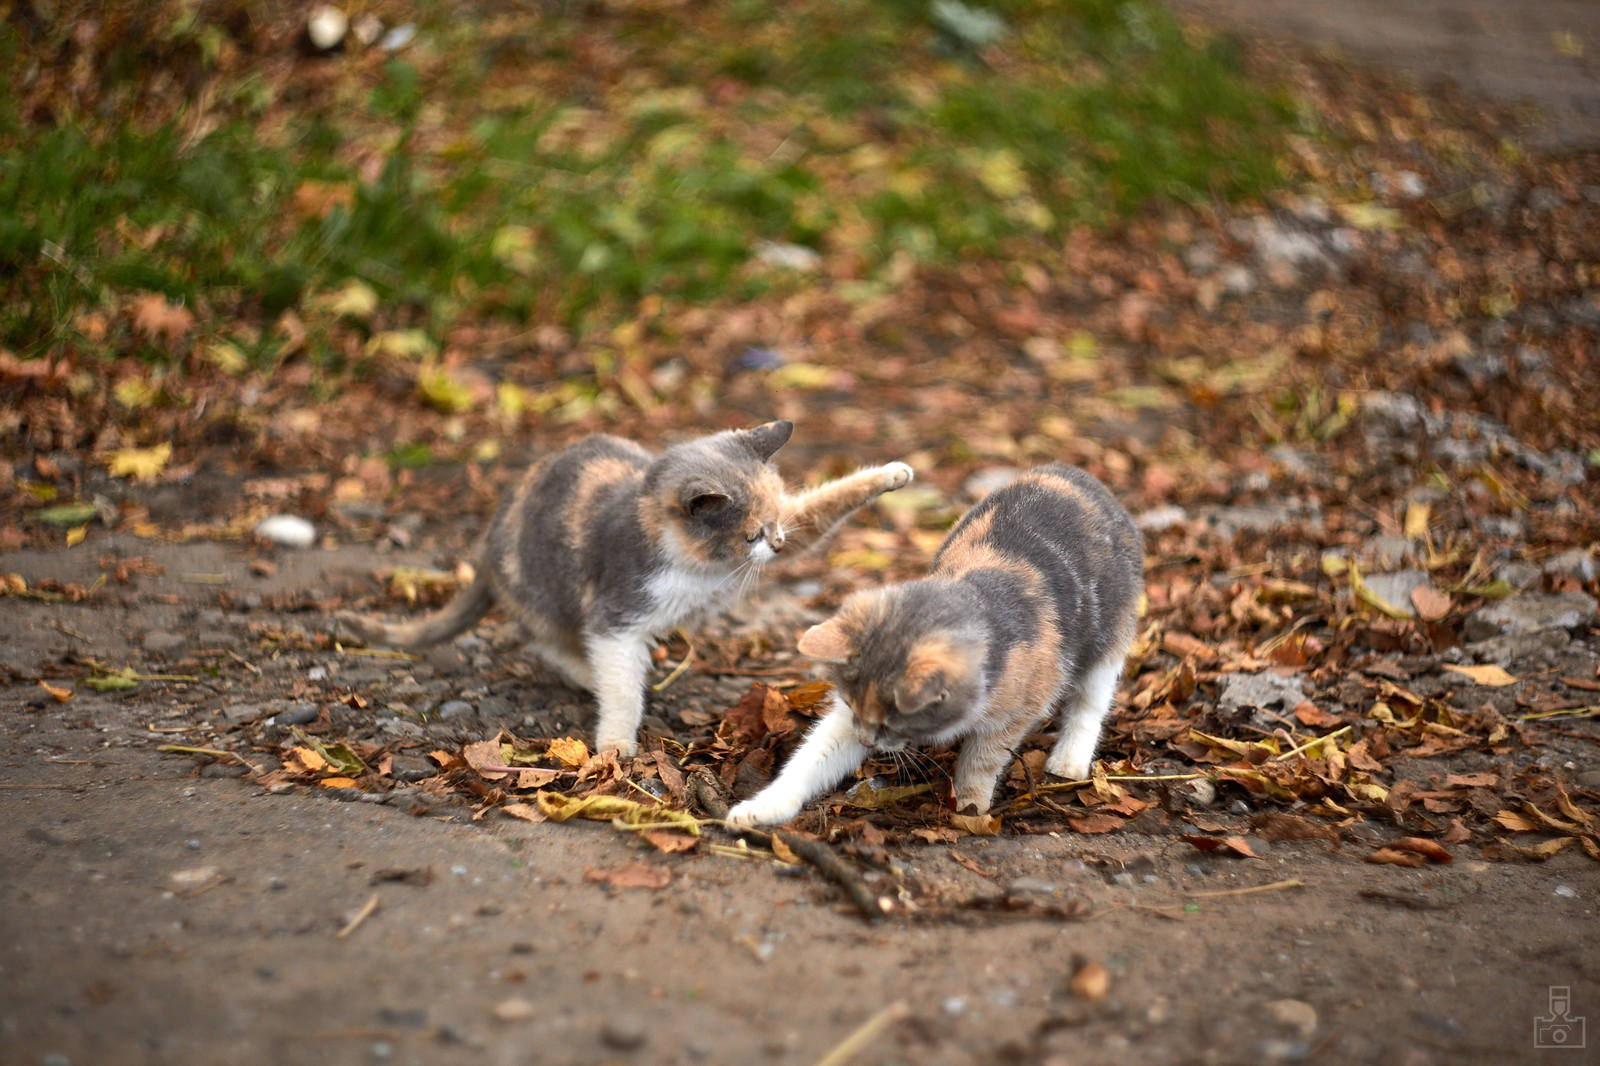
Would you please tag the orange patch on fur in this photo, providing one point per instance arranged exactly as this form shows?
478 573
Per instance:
595 476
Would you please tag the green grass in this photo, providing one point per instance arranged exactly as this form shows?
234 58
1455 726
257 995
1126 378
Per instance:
515 186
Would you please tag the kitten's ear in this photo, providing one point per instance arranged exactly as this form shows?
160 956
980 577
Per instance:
768 438
826 641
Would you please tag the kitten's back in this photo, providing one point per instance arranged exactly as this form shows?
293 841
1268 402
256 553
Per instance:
1058 530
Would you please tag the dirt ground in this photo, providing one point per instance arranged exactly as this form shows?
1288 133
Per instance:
167 908
1538 56
156 913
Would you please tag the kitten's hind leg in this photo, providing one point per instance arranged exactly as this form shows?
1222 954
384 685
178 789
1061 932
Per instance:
1083 712
619 664
810 516
572 668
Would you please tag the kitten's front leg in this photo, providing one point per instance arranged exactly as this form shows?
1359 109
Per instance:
813 514
983 756
829 752
619 664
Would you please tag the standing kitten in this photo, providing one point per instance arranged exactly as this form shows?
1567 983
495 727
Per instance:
604 547
1030 608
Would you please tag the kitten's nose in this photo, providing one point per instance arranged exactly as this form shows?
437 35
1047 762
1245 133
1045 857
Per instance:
774 536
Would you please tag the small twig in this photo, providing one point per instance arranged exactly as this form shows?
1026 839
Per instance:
1312 743
220 879
815 852
1062 786
1275 886
206 579
218 753
865 1033
242 661
678 670
1591 711
377 653
366 911
62 627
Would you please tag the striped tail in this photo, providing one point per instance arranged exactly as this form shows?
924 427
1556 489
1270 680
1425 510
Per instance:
469 605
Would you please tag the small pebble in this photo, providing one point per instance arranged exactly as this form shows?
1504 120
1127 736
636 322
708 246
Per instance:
299 714
1566 892
515 1009
317 673
623 1032
193 877
454 709
458 870
954 1006
192 844
382 1051
288 530
1294 1014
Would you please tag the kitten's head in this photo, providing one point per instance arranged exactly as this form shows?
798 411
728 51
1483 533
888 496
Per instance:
908 660
715 501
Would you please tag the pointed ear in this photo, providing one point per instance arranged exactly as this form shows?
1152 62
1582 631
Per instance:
767 439
826 641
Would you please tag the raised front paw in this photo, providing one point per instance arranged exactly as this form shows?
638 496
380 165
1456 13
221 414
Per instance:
762 809
897 476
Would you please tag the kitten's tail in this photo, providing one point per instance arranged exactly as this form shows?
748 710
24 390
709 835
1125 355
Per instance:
470 604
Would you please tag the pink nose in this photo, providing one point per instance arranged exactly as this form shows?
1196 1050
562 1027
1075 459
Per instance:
775 539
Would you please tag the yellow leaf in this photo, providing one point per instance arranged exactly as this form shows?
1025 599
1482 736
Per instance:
1371 216
76 534
354 299
1567 43
1371 598
403 343
443 392
1492 676
1417 520
807 376
133 393
338 782
569 751
227 357
526 812
141 464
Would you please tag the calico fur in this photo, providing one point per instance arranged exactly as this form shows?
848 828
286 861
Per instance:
604 547
1029 608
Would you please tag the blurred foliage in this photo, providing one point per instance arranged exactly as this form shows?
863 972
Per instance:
557 165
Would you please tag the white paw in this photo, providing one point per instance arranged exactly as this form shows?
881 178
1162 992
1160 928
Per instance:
758 810
1070 769
899 475
625 747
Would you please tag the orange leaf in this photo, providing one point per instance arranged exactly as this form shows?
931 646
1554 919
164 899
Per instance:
1183 646
979 825
527 812
569 751
1396 857
1429 849
154 317
1308 713
483 753
60 695
1516 823
1492 676
338 782
1235 845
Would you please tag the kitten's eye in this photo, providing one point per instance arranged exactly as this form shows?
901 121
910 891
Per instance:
707 504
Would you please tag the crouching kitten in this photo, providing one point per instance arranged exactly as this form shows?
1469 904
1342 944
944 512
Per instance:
1029 609
604 547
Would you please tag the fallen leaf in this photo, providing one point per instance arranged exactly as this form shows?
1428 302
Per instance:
1417 514
569 752
979 825
1308 713
154 317
305 761
633 875
60 695
784 852
668 841
1429 849
1431 604
527 812
337 782
1184 646
141 464
1516 823
67 514
871 796
1235 845
1096 823
1492 676
1396 857
1480 780
484 753
76 534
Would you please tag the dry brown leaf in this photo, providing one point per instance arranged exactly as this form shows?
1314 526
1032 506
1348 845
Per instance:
1185 646
60 695
527 812
783 851
1396 857
1096 823
484 753
803 698
632 875
1457 833
1479 780
1234 845
1308 713
668 841
1431 604
154 317
978 825
1492 676
1517 823
305 761
1428 849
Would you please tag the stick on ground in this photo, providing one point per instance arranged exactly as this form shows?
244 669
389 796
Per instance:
815 852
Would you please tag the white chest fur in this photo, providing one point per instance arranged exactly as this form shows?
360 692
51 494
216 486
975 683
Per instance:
675 594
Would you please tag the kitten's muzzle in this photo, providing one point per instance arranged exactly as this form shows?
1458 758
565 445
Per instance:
773 535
